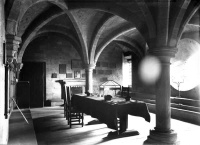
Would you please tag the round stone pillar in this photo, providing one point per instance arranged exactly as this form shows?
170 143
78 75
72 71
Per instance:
89 78
163 134
163 111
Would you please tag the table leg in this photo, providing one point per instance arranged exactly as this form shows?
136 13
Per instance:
123 123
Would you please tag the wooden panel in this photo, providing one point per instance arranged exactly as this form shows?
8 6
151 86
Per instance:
34 72
23 94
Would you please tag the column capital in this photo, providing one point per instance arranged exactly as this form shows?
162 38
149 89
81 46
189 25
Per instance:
12 45
90 66
165 51
19 66
14 65
13 40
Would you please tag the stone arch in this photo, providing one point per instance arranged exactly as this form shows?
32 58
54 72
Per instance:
97 36
33 31
163 11
146 28
30 36
19 9
176 23
192 35
135 48
66 35
40 19
45 32
110 39
83 45
187 17
121 12
148 18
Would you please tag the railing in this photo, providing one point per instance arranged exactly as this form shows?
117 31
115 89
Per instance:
184 109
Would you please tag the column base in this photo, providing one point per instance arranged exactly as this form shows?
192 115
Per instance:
166 138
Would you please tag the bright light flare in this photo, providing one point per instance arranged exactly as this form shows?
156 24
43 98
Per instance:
188 73
185 67
149 69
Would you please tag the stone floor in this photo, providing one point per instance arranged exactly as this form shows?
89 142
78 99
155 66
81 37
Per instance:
51 129
21 131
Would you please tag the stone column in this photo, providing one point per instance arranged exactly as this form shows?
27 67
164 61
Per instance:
12 45
163 134
89 78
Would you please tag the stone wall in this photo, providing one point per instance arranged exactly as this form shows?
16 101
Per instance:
108 67
4 121
54 51
137 84
57 51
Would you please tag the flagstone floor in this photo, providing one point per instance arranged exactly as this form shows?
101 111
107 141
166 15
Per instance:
51 128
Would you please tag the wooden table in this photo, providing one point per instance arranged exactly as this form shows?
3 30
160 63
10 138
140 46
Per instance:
108 112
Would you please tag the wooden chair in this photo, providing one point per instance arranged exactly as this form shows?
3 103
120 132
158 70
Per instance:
125 93
74 116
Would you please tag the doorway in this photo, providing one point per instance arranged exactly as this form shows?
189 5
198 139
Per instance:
35 74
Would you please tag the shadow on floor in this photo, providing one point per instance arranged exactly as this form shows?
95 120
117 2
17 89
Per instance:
114 135
52 128
93 122
20 131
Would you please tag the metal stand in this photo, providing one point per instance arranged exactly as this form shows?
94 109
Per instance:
178 84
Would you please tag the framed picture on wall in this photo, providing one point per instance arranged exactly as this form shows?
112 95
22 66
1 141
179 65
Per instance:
83 75
77 74
69 75
62 68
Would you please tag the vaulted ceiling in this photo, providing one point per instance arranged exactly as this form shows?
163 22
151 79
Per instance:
91 25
